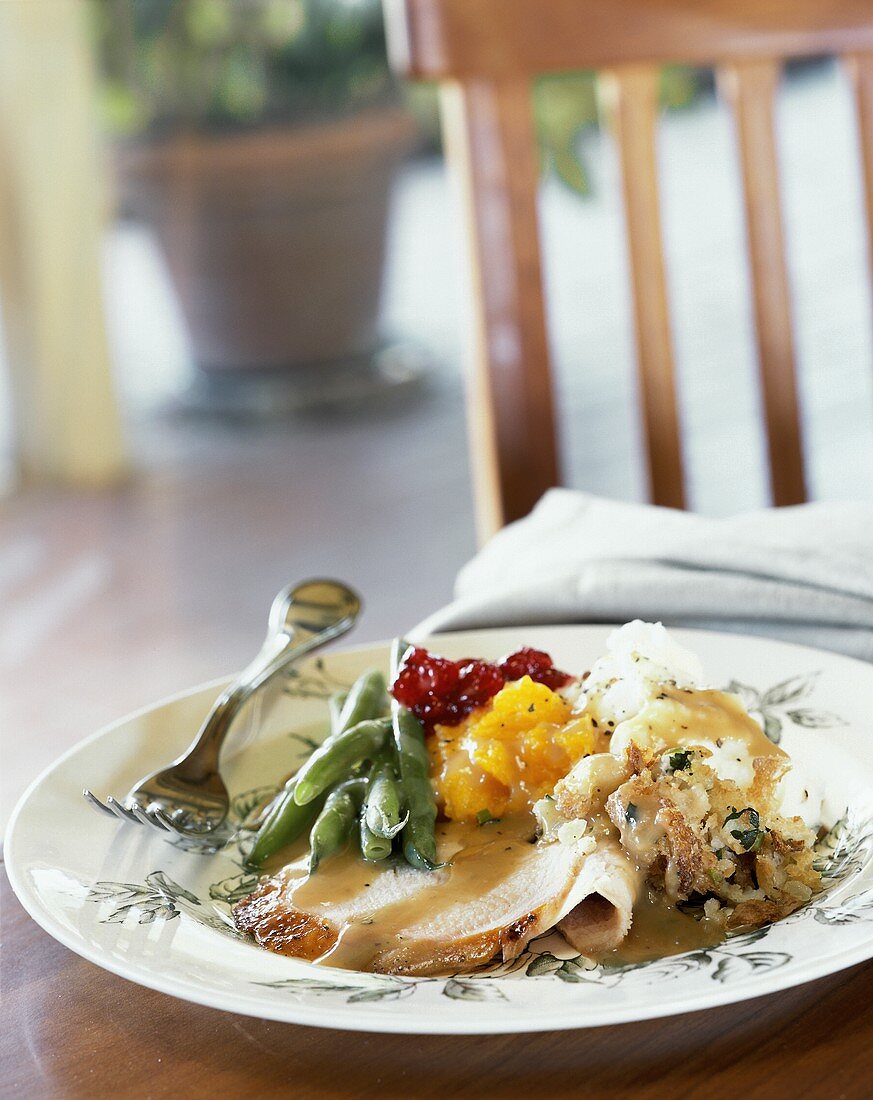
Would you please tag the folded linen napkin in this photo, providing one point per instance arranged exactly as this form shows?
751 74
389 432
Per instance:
802 574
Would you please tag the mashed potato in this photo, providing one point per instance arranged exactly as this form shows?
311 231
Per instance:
642 660
640 657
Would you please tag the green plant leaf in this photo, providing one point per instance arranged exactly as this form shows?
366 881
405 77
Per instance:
679 86
564 104
209 22
566 161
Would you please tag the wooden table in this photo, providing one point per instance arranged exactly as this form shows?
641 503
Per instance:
74 1030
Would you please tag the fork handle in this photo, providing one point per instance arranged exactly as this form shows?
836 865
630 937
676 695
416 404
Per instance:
292 635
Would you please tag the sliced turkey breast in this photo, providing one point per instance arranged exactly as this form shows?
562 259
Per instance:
607 888
497 890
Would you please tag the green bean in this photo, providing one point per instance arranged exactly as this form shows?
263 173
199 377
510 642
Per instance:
334 824
335 706
381 818
365 701
367 698
285 822
419 839
373 846
383 809
333 761
287 819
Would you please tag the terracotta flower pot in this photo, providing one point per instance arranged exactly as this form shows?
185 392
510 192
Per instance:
275 240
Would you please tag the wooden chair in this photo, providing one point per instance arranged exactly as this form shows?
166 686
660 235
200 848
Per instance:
484 54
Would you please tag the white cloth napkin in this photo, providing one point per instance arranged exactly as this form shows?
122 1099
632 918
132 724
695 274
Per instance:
802 574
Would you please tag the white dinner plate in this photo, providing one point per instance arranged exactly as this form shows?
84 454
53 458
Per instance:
134 904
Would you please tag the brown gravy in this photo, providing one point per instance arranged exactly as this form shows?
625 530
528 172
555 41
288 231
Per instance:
680 717
477 858
659 930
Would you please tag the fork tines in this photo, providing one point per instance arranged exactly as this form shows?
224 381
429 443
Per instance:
135 814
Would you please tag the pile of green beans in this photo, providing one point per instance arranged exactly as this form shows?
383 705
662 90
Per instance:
368 782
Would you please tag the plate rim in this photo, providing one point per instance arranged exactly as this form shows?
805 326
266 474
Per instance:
314 1015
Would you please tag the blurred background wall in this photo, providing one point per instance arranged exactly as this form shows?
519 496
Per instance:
233 304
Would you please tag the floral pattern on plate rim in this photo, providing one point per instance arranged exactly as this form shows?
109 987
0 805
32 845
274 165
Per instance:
843 852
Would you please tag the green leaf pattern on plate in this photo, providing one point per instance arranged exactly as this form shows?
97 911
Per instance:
313 681
779 704
842 853
158 898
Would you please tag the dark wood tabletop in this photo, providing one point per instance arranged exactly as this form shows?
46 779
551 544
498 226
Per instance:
71 1029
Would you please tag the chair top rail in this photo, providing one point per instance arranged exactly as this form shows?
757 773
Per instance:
434 39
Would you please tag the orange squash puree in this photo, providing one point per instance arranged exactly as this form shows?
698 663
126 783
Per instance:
509 753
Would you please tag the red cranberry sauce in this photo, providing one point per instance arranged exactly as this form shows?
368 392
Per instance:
444 692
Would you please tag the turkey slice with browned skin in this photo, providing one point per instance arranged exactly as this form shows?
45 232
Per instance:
498 891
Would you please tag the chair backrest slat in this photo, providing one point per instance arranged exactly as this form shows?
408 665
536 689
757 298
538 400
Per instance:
631 98
749 87
490 136
860 69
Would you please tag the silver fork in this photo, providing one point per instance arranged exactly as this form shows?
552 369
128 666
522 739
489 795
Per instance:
188 800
